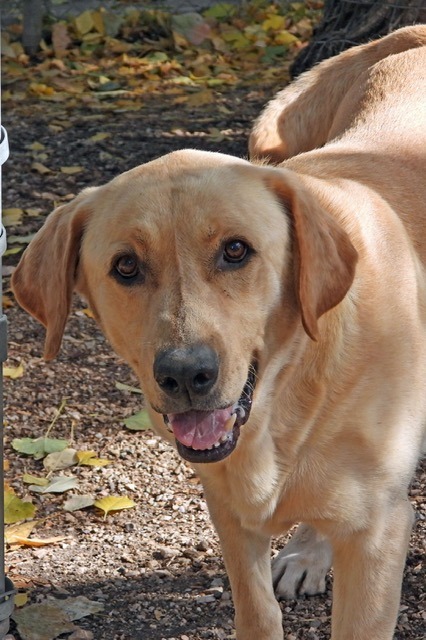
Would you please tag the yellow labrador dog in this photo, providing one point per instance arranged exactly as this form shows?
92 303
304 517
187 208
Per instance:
276 318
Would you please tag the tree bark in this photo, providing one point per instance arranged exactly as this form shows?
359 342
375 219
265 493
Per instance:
33 11
350 22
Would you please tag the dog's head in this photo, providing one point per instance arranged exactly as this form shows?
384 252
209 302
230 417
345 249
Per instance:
190 264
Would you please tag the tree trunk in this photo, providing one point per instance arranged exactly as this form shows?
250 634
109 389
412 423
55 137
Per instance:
349 22
33 11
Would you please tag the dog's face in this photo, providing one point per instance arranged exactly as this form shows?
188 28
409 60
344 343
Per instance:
192 265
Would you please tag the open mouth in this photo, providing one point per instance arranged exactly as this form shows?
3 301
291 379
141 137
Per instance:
210 436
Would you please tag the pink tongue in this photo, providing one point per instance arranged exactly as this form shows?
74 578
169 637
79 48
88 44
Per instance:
199 429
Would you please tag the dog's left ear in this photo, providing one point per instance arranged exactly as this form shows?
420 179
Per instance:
44 279
325 258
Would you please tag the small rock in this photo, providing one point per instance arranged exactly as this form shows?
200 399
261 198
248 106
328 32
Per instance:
202 545
205 599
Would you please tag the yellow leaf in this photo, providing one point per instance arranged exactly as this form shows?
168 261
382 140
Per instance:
41 89
22 530
12 216
6 465
285 38
98 137
40 168
84 456
89 458
98 22
20 599
274 23
13 372
89 313
38 542
114 503
84 23
33 212
28 478
71 170
97 462
36 146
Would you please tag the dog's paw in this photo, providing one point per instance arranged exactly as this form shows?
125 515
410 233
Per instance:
301 567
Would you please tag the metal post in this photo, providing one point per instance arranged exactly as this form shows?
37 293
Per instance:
6 586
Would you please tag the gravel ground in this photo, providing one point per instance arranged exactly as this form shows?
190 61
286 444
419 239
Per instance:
157 568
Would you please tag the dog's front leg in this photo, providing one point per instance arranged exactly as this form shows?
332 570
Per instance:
368 568
248 563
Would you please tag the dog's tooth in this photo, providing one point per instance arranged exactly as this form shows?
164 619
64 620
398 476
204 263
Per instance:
229 424
216 444
224 438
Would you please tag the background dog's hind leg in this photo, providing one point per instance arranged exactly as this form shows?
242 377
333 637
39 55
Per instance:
301 566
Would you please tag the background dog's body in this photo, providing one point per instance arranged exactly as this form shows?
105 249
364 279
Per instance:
307 280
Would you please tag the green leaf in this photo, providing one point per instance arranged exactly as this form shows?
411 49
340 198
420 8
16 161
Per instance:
16 509
38 447
220 11
139 421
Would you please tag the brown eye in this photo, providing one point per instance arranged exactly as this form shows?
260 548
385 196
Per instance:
235 251
127 266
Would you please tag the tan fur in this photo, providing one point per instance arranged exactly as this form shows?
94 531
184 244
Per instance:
332 305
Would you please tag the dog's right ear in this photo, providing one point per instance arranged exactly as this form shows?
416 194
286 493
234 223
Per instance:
44 279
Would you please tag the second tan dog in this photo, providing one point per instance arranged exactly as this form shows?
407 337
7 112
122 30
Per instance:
276 318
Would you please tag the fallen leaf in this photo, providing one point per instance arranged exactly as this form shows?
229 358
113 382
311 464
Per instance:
127 387
89 458
36 146
42 621
75 503
12 216
99 137
13 372
84 23
38 542
20 599
139 421
41 89
60 460
15 531
114 503
38 447
40 168
30 479
16 509
89 313
70 171
80 607
58 484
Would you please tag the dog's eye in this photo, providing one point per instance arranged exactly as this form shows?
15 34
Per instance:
235 251
126 267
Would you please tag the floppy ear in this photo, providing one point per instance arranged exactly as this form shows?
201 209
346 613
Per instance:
44 279
325 258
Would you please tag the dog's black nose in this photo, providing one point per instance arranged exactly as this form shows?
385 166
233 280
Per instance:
186 371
